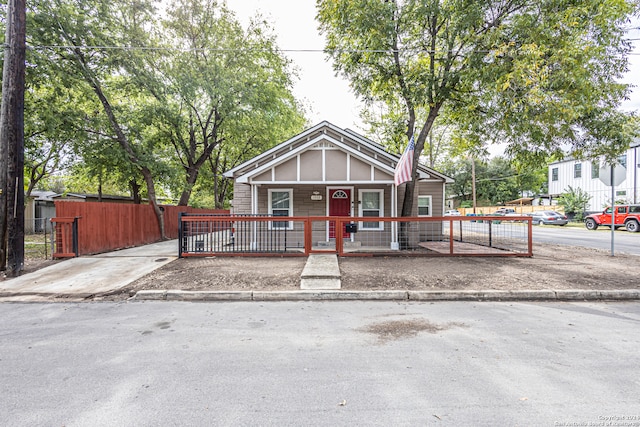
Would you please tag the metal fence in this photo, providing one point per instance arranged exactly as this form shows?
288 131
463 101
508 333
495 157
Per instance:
38 238
214 235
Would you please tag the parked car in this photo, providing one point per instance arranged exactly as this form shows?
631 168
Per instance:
505 211
548 218
627 216
452 212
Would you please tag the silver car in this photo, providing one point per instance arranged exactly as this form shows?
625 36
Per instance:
548 218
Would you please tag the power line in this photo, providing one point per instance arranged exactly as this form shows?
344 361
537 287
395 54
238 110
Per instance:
233 50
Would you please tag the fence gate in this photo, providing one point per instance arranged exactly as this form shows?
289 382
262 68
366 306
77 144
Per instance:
65 237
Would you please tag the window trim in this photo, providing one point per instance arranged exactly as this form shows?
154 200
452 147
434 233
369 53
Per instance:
430 197
380 209
577 170
270 207
595 170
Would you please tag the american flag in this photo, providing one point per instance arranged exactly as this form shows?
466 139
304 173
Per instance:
404 166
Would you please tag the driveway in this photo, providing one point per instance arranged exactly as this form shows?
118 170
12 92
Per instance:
86 276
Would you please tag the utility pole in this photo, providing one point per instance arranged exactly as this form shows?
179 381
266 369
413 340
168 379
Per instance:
12 141
473 182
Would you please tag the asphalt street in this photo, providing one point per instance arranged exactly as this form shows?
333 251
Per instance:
624 242
319 363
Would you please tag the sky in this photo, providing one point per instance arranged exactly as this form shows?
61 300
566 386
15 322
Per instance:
328 97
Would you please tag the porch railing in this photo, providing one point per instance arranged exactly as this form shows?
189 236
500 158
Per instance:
219 235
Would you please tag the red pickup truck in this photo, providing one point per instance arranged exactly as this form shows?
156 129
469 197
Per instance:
627 216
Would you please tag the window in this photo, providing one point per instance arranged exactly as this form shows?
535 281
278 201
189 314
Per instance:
577 170
280 204
623 160
554 174
371 205
621 193
424 205
595 170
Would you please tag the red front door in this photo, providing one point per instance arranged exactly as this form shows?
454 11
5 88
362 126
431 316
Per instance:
339 205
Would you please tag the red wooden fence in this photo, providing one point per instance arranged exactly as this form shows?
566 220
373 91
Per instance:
107 226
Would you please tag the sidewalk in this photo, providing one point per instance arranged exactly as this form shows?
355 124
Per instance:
79 278
107 276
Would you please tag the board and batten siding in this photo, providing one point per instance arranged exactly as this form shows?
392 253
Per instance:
600 194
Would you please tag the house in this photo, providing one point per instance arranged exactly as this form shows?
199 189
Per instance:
329 171
585 175
39 208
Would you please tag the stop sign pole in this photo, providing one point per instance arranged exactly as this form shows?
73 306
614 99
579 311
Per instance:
613 175
613 215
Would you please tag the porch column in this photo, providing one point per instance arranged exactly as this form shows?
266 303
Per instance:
394 214
254 212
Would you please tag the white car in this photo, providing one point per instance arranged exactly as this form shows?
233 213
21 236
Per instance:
452 212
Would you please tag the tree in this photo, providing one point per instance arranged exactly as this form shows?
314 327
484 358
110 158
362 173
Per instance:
535 75
49 132
498 180
90 29
218 88
574 201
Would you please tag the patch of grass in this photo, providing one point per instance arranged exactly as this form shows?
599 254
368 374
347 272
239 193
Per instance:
37 246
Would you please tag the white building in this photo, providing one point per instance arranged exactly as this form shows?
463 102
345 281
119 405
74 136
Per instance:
585 175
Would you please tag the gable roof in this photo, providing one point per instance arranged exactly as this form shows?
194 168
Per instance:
345 139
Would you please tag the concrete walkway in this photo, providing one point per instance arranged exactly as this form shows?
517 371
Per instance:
321 272
86 276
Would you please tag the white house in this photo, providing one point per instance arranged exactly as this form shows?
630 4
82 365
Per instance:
585 175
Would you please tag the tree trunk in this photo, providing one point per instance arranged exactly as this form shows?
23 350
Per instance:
135 191
151 190
407 204
12 141
191 178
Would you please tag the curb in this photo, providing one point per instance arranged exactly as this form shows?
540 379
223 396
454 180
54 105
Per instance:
332 295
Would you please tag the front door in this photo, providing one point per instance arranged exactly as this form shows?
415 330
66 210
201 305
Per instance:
339 205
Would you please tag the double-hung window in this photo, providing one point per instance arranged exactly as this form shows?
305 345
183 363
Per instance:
371 205
281 204
577 170
424 205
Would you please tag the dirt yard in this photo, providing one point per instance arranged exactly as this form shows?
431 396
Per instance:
551 267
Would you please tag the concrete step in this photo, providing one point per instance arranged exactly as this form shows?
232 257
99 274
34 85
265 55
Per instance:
321 272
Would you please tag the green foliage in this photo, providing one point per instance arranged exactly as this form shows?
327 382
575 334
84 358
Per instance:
574 201
497 180
226 97
537 76
144 96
